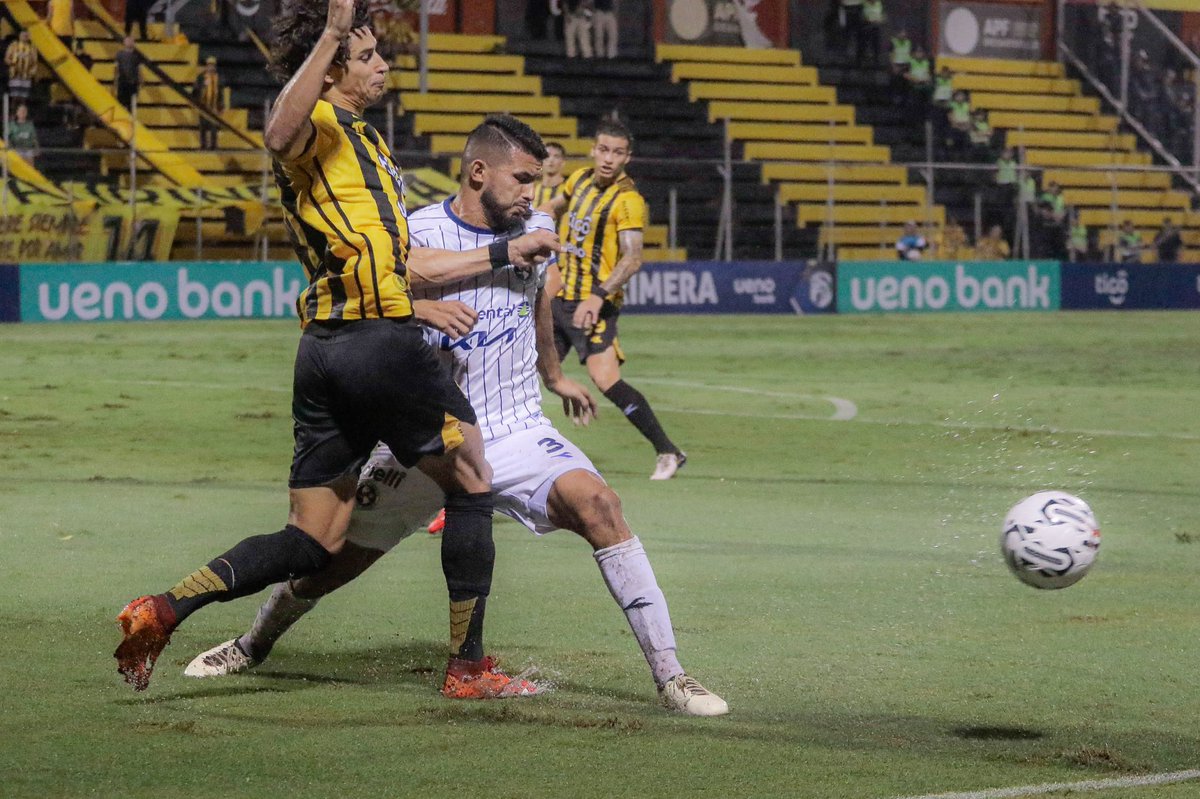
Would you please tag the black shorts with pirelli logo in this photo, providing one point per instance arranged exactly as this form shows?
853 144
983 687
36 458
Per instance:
585 342
365 381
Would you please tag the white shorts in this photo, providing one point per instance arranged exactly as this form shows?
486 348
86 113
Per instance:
394 502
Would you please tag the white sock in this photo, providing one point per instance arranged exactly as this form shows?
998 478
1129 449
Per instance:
627 572
278 613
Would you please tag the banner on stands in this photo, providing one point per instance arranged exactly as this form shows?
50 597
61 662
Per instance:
924 286
739 287
1130 286
60 233
140 291
991 30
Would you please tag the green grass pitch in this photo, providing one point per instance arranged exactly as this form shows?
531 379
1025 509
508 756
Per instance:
837 580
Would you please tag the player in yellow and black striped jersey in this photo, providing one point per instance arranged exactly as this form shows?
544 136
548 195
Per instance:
602 218
363 371
550 184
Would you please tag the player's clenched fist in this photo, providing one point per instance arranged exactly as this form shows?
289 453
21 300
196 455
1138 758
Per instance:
533 248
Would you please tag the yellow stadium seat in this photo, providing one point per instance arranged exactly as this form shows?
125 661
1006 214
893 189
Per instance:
761 92
748 73
780 112
787 132
726 55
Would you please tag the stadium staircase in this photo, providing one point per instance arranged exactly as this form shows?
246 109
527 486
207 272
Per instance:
843 184
1062 130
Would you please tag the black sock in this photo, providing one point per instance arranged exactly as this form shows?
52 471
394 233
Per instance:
637 410
468 554
249 567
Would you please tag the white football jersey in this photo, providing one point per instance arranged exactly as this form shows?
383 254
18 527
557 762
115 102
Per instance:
495 364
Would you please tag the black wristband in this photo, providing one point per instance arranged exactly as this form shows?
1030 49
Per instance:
498 253
599 291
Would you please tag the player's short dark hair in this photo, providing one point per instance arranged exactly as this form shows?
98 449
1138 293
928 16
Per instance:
298 26
503 133
553 145
615 128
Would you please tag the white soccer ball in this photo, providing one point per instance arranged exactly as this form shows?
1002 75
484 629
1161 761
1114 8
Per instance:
1050 539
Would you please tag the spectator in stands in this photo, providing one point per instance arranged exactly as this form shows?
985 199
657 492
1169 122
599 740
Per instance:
959 122
1051 226
952 244
1079 245
920 77
207 93
136 12
22 136
993 246
578 28
1143 91
874 18
1168 242
1006 169
22 60
981 136
60 17
1129 244
1112 30
902 47
129 72
911 245
604 21
854 28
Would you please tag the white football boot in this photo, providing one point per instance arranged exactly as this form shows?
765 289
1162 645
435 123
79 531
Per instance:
683 694
667 464
222 659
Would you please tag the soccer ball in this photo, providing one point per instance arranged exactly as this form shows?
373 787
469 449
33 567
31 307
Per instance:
1050 539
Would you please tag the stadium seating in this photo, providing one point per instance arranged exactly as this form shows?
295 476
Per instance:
811 147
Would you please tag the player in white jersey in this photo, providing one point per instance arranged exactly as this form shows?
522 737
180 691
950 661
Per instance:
497 332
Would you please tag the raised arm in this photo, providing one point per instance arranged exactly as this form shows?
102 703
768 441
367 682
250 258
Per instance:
290 128
430 267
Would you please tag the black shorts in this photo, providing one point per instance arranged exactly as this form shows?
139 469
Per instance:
361 382
601 337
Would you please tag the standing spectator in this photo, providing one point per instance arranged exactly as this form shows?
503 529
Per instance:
1052 222
1078 239
207 94
912 244
874 18
136 12
993 246
22 136
1112 31
22 61
981 136
902 47
1168 242
604 20
1129 244
852 24
959 122
1143 91
129 73
60 16
920 77
578 28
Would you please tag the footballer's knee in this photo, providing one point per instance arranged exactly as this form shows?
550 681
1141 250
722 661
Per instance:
585 504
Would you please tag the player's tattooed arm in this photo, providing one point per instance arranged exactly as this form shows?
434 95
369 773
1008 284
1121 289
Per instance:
431 267
629 245
289 130
451 317
578 403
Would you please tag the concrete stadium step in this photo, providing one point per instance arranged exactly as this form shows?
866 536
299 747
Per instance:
161 53
1125 179
788 132
842 173
746 73
780 112
774 151
460 62
184 74
1075 140
996 66
1016 85
852 193
726 55
1127 198
464 82
1062 104
179 116
702 90
480 104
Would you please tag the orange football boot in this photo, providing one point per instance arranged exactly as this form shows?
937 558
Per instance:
482 679
146 623
438 523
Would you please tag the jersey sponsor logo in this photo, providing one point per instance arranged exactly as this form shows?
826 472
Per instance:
479 339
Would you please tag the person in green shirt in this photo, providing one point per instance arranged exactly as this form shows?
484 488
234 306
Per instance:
22 135
981 135
1129 244
959 118
873 19
1078 247
902 48
1006 168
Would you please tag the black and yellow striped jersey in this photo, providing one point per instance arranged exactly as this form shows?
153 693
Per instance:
344 203
543 194
589 229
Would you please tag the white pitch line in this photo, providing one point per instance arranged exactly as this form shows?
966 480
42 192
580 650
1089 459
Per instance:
1050 787
843 409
